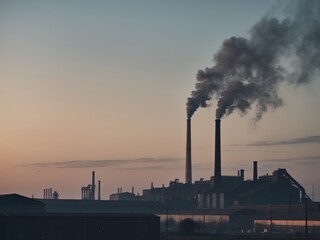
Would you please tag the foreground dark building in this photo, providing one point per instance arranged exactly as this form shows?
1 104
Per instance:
22 218
79 226
17 203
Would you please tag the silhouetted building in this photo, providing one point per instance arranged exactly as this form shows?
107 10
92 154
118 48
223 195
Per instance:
86 192
62 226
11 203
28 219
48 194
224 192
126 196
280 188
89 192
55 195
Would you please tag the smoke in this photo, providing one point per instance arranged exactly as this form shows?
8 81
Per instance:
248 72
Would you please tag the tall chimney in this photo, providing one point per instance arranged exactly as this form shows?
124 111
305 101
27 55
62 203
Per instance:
93 186
217 156
188 173
255 170
99 190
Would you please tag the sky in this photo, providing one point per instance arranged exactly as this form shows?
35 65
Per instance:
102 86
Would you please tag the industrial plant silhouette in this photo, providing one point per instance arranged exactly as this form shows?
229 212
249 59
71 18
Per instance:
241 206
247 73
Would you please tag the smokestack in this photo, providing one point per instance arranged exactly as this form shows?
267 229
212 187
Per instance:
255 170
99 190
188 173
217 156
93 186
242 174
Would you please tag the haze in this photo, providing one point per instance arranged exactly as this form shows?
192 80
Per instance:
102 86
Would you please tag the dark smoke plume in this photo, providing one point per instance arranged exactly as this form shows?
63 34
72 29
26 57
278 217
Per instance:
248 72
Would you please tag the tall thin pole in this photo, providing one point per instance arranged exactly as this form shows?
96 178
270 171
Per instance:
99 190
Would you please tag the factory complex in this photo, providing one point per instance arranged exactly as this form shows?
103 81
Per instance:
274 202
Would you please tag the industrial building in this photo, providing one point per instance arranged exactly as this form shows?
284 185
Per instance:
230 200
222 200
125 196
89 192
79 226
226 192
15 203
276 189
28 219
218 193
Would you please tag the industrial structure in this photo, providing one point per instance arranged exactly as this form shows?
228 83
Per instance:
226 192
48 194
222 204
240 204
89 192
125 196
188 175
218 193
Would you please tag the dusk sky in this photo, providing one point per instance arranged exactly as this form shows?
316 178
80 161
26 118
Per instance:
102 86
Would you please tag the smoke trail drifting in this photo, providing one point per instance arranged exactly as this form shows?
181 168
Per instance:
248 72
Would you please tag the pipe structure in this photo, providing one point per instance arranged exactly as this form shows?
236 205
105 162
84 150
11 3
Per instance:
217 156
188 173
93 186
99 190
255 170
84 193
47 193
